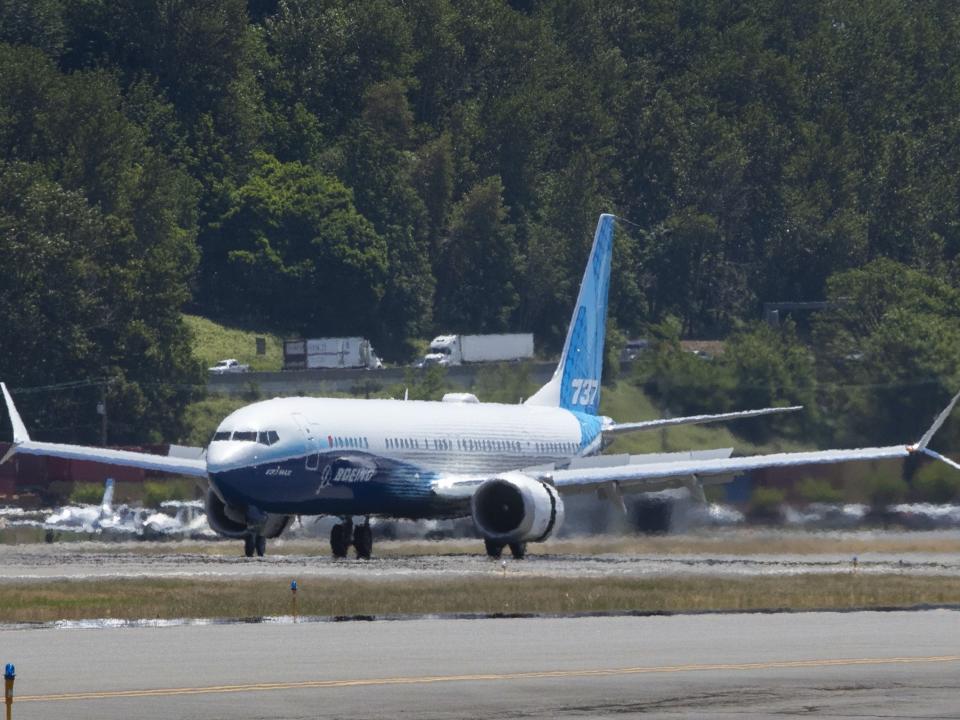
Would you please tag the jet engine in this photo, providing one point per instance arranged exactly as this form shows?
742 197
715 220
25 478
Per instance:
234 522
517 508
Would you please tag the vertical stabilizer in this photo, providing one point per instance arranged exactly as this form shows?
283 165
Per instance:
106 505
575 384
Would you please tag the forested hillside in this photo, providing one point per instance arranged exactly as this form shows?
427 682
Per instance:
390 168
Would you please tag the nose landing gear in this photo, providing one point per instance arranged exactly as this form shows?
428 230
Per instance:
254 543
344 534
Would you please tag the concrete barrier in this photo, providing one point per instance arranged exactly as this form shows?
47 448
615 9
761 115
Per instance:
353 380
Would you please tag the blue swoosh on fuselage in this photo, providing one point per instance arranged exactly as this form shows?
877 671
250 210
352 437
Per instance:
343 483
591 427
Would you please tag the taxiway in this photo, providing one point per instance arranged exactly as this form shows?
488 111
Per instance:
89 561
897 664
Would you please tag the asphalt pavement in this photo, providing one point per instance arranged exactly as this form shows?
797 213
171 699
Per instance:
93 561
838 665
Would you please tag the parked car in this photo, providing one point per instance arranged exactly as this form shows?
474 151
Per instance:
230 365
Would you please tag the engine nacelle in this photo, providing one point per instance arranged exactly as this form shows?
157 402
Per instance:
224 519
517 508
233 522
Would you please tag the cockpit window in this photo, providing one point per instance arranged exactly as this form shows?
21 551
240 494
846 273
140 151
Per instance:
268 437
263 437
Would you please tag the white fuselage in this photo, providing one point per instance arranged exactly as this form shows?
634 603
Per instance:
440 437
315 456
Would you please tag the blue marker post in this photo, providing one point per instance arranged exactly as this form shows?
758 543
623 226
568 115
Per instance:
9 676
293 593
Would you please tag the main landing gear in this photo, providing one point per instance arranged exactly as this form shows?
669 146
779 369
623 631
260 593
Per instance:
344 534
254 543
495 549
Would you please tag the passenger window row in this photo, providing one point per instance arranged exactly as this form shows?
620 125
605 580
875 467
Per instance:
348 442
557 447
264 437
485 445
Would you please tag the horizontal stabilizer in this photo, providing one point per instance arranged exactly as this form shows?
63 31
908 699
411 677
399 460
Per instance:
621 428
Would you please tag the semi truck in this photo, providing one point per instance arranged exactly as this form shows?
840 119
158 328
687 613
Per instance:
335 352
458 349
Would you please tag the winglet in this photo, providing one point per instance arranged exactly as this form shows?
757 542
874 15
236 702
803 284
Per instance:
20 434
941 419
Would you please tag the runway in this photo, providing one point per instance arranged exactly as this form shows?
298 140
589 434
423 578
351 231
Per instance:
90 561
899 664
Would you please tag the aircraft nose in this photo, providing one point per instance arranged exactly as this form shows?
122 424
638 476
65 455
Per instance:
228 455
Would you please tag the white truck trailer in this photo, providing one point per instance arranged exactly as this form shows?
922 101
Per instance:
339 352
458 349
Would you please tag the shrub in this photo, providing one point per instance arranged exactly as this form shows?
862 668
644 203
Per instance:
936 483
158 491
814 490
86 494
885 490
765 503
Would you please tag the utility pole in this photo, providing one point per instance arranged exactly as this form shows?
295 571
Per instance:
102 412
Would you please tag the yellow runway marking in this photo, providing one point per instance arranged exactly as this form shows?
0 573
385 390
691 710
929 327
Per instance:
485 677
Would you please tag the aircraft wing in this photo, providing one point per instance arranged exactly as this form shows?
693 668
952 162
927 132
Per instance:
125 458
641 476
196 467
620 428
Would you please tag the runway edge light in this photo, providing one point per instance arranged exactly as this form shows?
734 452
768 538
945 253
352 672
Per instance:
9 675
293 596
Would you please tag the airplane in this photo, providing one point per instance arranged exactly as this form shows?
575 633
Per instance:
121 521
507 466
84 518
177 519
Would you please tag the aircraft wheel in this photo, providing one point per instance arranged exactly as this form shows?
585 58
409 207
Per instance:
494 549
248 545
339 541
518 550
363 541
260 545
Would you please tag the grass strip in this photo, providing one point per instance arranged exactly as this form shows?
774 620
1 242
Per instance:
161 598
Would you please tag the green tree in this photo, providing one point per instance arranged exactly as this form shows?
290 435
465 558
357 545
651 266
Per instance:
33 22
97 216
88 306
818 490
887 347
936 483
760 367
477 264
683 383
383 173
293 248
772 368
